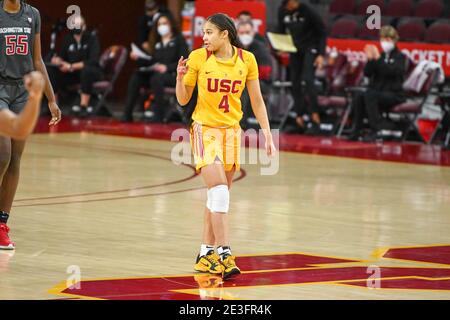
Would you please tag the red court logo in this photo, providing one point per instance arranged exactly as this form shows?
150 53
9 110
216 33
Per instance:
431 271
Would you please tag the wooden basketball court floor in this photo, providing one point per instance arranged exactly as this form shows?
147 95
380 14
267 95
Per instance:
114 215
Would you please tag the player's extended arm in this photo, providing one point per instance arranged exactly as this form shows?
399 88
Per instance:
49 93
258 105
260 111
21 125
183 92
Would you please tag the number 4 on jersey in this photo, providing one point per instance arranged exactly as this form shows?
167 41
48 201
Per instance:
224 104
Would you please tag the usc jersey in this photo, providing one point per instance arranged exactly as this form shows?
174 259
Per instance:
220 85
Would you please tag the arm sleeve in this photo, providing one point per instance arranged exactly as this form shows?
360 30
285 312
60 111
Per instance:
264 61
264 56
281 27
252 65
190 78
64 47
371 67
144 62
182 50
319 27
94 51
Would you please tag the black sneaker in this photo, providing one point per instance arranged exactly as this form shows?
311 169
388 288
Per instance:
126 119
83 112
355 136
372 137
313 129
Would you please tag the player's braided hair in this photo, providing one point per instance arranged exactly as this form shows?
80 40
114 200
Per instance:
224 22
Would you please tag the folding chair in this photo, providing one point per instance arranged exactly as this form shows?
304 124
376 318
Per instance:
332 97
443 127
112 62
173 107
349 77
281 87
416 98
351 90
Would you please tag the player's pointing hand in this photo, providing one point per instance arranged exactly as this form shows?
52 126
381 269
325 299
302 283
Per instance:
182 68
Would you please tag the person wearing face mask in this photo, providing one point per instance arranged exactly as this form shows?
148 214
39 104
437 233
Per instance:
166 45
77 62
386 74
246 33
309 35
146 22
246 16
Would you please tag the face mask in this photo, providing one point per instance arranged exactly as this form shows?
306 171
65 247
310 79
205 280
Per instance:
78 31
387 46
246 39
163 30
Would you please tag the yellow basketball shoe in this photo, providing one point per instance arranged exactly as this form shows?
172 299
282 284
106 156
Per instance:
230 267
209 263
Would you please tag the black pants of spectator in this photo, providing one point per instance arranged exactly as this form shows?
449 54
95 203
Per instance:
156 82
245 99
86 77
372 103
303 88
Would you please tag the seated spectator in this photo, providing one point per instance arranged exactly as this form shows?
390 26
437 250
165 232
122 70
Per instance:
246 33
77 63
146 22
246 16
386 73
167 45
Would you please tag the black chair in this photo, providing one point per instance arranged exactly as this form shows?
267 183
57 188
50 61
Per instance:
443 126
112 61
416 98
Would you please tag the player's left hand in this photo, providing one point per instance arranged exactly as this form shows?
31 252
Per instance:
56 113
270 146
319 62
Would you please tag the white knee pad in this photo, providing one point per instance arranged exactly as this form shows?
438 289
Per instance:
218 199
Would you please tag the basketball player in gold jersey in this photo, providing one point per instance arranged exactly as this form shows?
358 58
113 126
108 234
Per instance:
221 70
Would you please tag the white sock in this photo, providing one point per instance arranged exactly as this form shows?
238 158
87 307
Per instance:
224 251
205 248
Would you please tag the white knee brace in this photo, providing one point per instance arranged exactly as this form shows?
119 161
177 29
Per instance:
218 199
